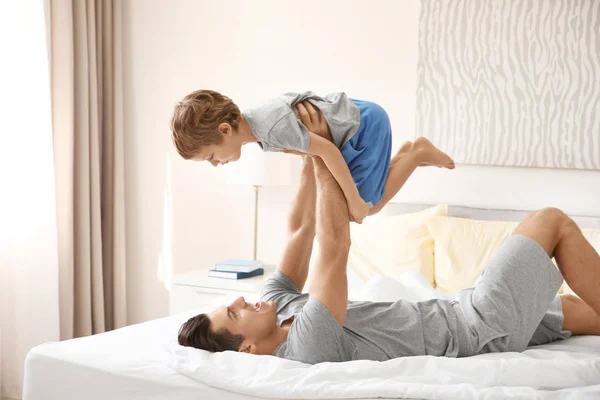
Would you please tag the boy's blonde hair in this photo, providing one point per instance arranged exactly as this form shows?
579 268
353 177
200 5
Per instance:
196 120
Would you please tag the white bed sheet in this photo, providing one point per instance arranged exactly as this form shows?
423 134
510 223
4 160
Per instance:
567 369
125 364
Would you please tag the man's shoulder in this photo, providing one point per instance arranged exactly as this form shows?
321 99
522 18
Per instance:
277 284
315 336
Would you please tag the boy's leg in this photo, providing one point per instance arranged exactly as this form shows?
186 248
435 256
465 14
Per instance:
410 156
562 239
402 165
405 148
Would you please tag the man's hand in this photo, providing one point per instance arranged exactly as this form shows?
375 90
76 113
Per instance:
313 119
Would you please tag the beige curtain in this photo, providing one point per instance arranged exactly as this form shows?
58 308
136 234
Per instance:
87 121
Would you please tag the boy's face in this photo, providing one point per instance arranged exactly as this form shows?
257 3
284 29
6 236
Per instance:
228 150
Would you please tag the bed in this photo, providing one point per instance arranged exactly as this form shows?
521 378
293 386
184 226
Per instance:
144 362
128 363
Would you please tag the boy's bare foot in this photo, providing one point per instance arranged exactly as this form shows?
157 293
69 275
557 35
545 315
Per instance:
429 155
421 147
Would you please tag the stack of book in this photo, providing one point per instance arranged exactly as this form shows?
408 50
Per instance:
237 269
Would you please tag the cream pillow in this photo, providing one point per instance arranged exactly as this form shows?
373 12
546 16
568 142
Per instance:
391 245
463 247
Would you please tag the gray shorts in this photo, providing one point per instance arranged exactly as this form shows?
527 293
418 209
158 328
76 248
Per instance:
515 304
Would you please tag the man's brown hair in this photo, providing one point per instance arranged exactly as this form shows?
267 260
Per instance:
196 120
195 332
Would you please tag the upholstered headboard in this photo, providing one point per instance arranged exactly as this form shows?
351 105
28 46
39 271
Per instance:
481 213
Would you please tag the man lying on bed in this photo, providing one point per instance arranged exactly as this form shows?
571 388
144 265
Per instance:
514 305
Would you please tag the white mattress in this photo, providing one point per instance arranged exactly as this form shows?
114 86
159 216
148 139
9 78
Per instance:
127 363
132 363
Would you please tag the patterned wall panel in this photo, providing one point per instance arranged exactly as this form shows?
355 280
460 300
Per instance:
511 82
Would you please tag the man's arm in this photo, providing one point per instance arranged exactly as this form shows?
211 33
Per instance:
301 228
329 283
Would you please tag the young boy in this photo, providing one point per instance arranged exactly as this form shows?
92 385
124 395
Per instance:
207 126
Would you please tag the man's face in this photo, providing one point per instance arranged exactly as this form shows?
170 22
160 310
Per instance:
256 322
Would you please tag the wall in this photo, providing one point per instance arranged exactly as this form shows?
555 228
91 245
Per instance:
180 214
511 83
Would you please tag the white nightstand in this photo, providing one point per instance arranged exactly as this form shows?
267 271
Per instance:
196 290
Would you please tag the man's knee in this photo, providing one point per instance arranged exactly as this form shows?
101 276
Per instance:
557 220
549 218
551 213
334 243
546 226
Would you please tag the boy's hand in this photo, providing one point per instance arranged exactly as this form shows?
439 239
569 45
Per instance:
313 119
358 211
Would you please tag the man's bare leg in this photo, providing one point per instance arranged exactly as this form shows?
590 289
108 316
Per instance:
410 156
579 317
562 239
301 228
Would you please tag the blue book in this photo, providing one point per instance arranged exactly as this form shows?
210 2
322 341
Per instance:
238 265
214 273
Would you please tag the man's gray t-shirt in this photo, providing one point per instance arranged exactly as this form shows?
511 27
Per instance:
371 331
277 127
